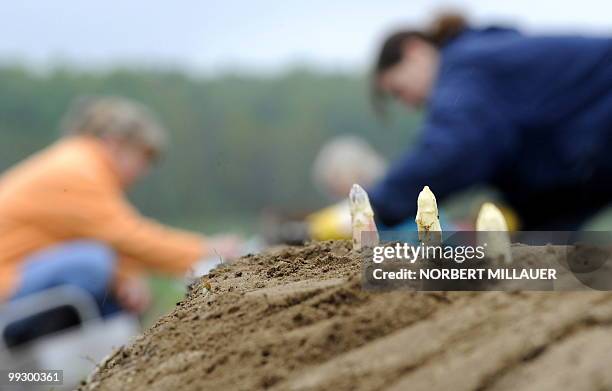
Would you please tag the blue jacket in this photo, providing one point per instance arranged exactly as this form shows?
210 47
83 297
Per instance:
526 114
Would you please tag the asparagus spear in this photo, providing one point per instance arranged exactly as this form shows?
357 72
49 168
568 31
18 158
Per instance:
365 233
493 230
427 220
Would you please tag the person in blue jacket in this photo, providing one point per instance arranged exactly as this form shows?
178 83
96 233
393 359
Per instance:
529 115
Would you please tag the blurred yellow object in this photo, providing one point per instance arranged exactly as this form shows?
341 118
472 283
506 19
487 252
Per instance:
331 223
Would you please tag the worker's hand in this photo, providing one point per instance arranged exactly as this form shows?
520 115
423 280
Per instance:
133 294
228 247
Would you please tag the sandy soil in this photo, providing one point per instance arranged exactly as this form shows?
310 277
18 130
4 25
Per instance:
297 319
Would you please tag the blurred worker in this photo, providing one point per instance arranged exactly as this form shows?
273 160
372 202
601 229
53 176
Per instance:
529 115
346 160
64 218
341 162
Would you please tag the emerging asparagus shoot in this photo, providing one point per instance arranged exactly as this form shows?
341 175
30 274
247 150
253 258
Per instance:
427 220
365 233
493 231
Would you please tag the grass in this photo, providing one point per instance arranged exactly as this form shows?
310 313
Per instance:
166 291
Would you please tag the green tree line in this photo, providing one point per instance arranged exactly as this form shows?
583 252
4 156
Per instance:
239 143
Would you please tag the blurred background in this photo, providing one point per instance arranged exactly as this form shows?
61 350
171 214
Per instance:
249 90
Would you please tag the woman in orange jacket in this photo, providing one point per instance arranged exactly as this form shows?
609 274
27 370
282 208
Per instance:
64 218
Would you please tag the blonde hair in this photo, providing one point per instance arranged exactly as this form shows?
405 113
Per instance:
116 116
347 159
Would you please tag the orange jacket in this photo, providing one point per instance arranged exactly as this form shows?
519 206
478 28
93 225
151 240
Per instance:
69 191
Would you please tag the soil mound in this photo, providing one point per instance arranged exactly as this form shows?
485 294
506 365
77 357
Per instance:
296 318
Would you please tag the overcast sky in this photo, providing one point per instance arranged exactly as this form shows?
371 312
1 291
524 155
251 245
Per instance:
255 35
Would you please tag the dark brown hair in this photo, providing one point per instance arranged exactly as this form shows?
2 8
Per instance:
442 30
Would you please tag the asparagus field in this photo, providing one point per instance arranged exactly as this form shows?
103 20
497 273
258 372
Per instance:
297 318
